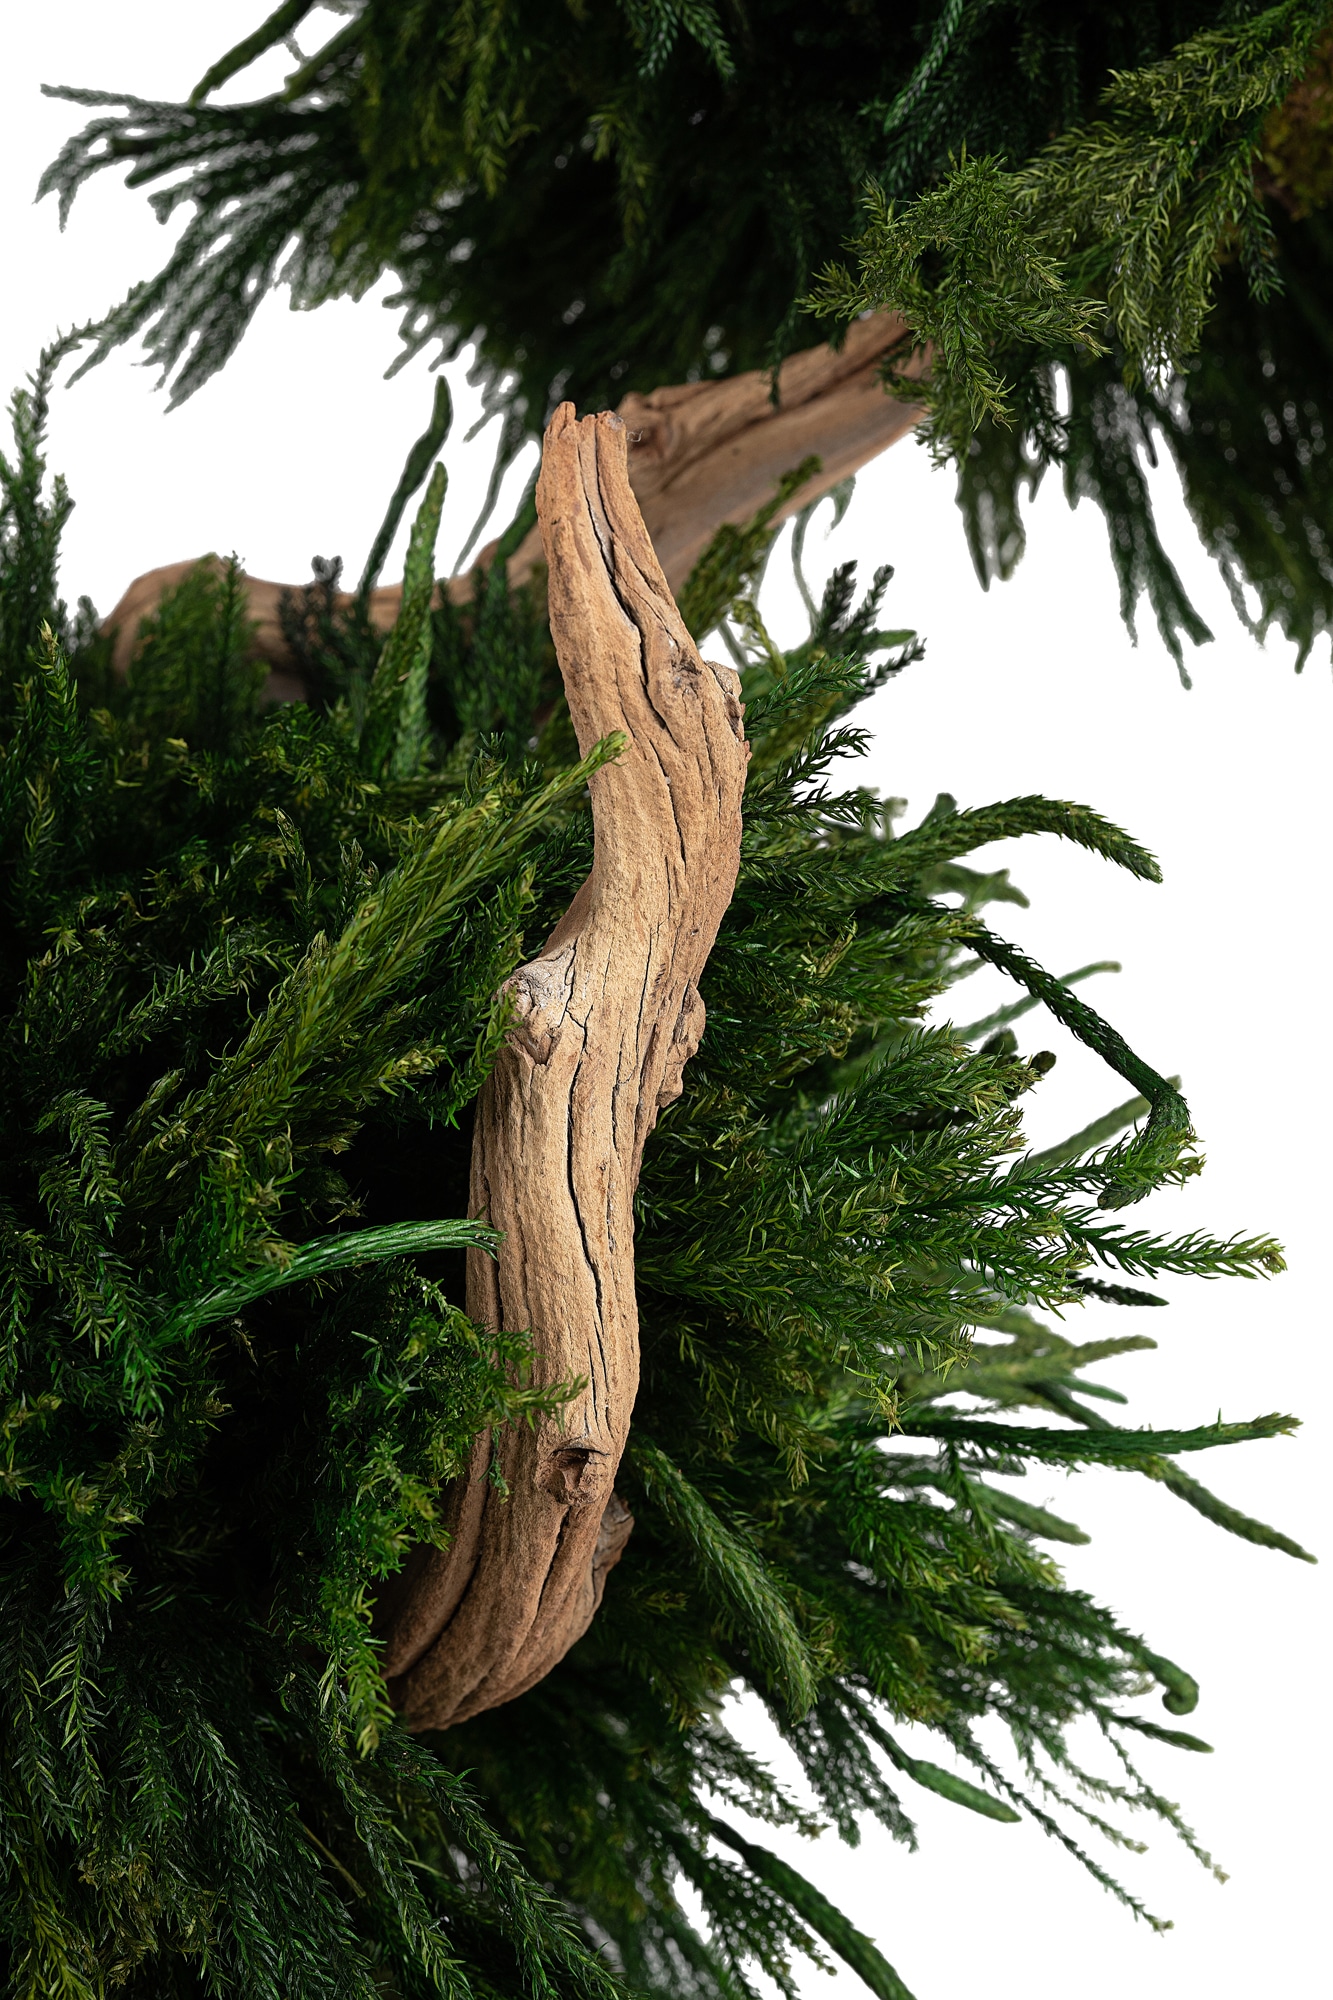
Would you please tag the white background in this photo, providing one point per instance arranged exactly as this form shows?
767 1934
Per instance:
1034 688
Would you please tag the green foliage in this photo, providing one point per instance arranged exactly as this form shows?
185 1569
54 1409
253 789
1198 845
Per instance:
419 461
31 523
251 959
1112 242
193 673
732 566
1107 220
394 734
828 1922
1147 201
967 270
614 197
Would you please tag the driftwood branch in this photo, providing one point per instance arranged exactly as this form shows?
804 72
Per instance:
606 1018
609 1013
700 454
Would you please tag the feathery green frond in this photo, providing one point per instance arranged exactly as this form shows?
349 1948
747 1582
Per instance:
248 996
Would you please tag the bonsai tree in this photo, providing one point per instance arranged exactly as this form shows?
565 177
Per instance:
496 1255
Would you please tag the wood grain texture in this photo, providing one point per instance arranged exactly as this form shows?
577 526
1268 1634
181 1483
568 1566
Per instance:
700 453
605 1020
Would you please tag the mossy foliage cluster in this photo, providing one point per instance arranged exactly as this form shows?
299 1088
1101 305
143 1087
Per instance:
1113 266
1110 221
247 997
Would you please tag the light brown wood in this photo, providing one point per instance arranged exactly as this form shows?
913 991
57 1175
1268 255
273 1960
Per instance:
700 453
605 1020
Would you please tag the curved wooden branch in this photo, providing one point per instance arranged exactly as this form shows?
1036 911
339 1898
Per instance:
700 453
606 1018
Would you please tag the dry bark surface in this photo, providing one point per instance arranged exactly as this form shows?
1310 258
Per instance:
700 453
605 1020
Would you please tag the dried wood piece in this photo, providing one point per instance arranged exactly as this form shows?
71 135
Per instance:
606 1019
700 453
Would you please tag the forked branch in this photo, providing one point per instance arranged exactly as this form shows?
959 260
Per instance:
606 1019
700 453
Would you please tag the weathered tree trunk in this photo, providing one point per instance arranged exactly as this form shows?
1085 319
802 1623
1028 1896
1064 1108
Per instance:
605 1020
700 453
